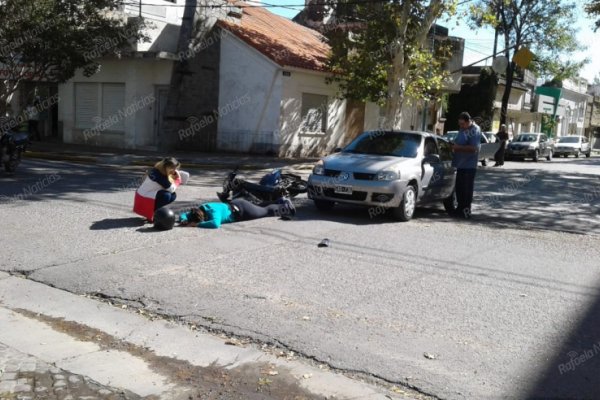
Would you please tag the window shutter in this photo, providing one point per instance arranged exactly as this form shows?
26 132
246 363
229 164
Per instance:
86 105
113 106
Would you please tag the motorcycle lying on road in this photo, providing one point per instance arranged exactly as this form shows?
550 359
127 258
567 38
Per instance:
12 146
269 189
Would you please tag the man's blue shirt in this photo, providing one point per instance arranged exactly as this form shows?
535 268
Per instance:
467 137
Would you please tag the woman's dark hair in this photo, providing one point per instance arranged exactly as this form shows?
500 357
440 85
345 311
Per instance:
195 215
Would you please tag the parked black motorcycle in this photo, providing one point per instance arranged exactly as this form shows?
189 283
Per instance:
12 146
271 187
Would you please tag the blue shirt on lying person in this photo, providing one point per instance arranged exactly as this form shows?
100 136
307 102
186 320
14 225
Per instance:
215 214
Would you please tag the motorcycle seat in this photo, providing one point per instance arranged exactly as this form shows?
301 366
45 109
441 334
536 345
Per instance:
19 138
259 188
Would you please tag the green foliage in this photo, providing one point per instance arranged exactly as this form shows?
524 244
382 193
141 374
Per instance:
593 8
52 39
547 28
361 60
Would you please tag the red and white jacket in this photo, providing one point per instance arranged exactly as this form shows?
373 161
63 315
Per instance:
145 195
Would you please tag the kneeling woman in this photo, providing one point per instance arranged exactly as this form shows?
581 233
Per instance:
158 189
213 215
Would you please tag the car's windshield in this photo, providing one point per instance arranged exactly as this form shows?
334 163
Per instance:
398 144
526 138
568 140
451 135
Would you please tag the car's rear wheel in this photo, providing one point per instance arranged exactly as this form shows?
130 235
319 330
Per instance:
324 205
406 209
588 154
451 203
536 156
484 163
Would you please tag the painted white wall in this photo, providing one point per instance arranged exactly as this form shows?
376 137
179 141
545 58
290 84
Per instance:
249 98
373 117
294 141
141 77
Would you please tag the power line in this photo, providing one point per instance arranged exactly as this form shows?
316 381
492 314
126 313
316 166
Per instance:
267 5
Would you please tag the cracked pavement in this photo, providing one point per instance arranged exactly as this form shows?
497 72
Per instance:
452 309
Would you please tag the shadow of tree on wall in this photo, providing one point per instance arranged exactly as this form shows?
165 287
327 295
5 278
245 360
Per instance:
296 142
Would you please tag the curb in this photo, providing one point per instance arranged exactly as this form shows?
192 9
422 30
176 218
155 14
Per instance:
150 161
60 157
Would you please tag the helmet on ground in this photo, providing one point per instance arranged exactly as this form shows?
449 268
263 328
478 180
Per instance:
164 219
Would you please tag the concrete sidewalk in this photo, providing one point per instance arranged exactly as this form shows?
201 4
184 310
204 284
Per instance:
53 150
66 345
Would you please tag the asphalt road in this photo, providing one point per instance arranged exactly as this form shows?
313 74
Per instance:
502 306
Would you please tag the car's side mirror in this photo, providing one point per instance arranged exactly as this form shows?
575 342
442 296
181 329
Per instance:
432 159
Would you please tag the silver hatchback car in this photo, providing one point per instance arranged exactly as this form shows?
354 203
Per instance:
388 170
572 145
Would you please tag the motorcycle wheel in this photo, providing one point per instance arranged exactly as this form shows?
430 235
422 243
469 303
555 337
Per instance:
11 165
298 187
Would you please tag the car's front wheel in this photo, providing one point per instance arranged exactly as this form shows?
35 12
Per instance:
577 153
484 163
549 156
451 203
536 156
588 154
324 205
406 209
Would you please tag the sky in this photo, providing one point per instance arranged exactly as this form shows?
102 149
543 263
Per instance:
480 44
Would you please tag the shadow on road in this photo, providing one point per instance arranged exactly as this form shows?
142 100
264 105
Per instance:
117 223
573 371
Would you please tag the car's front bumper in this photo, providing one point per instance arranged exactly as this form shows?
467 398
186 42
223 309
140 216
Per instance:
523 153
365 193
566 151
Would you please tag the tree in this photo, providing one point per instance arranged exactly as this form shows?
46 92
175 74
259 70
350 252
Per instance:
51 39
545 27
477 99
593 8
385 57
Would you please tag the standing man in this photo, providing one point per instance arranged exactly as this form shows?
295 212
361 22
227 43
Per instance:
33 117
466 156
502 136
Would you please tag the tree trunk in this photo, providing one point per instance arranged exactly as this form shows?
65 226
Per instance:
510 70
395 92
399 69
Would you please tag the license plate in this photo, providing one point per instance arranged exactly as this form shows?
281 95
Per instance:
343 189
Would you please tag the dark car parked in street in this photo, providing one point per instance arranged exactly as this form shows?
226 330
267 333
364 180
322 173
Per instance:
530 145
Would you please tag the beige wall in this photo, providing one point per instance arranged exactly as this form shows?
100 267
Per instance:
141 78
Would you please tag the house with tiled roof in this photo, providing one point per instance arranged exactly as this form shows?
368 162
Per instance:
281 67
239 79
233 78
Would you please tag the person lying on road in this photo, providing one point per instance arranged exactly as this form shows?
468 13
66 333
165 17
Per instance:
213 215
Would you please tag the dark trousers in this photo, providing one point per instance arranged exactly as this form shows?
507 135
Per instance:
250 211
33 129
499 156
465 184
163 197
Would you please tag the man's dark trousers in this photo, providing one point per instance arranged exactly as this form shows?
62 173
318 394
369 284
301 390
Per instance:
465 184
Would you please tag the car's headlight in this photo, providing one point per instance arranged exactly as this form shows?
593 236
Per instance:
319 169
388 175
532 146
